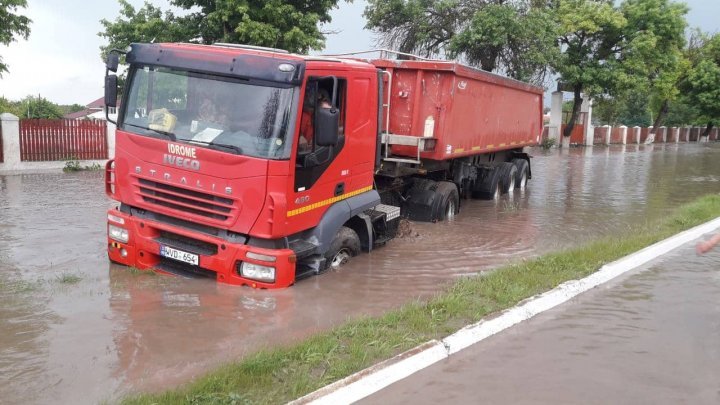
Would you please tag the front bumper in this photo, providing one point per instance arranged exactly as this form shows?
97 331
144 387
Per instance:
142 250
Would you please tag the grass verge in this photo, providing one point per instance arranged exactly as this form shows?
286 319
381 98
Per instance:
283 374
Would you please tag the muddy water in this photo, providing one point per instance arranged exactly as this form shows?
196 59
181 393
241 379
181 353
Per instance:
652 337
111 331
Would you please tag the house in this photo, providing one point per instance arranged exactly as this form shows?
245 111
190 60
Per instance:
93 111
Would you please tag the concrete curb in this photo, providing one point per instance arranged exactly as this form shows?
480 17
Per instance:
366 382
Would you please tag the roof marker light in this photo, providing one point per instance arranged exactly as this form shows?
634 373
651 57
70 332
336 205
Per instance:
286 67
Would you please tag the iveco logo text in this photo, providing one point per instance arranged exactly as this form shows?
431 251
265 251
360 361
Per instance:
186 158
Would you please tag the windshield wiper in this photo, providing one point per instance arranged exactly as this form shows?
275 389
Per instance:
220 145
169 135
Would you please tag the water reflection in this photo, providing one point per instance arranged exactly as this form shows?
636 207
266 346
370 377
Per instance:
115 331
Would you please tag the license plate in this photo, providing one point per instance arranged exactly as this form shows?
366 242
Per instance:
179 255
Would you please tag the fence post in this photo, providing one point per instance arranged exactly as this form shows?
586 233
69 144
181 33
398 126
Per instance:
636 134
110 130
674 134
663 131
608 134
555 126
11 141
623 134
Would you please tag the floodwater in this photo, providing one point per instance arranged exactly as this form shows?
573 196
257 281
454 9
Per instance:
74 328
651 337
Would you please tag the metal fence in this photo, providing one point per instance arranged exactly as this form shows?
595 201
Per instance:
52 140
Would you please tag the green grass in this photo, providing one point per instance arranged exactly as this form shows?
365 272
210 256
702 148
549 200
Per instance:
68 278
282 374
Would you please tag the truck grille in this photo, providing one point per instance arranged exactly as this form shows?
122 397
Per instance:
181 199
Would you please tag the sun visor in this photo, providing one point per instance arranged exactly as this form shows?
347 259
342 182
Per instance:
247 66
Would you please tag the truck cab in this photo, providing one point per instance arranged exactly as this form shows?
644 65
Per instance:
249 165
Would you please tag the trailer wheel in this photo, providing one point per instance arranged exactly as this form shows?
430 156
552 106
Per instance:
488 186
523 168
508 173
344 246
448 201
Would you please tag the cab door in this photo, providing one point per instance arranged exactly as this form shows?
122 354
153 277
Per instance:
315 184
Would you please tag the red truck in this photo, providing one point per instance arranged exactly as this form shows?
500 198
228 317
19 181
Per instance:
258 167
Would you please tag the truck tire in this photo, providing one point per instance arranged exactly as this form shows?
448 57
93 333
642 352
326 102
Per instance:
343 247
487 186
523 171
508 172
448 201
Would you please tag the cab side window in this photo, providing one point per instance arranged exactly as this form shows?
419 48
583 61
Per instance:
319 95
313 159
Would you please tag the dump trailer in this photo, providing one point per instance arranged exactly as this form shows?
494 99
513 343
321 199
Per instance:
258 167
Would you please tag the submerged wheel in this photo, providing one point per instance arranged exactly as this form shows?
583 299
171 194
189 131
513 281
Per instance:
523 173
344 246
448 201
508 172
488 185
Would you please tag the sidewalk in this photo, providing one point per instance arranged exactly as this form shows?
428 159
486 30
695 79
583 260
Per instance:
651 336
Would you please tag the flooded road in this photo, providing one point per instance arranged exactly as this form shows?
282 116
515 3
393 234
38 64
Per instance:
650 337
74 328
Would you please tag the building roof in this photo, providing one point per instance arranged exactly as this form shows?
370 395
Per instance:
79 114
99 103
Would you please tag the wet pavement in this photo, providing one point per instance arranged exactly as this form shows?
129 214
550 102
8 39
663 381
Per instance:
74 328
649 337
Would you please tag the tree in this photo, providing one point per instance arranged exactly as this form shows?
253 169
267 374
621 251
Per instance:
590 41
655 34
291 25
610 51
12 25
703 83
39 108
515 37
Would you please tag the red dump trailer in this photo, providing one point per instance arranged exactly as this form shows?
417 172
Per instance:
257 167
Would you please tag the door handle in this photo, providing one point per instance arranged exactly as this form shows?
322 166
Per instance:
339 189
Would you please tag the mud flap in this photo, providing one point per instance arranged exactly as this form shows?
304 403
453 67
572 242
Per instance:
420 205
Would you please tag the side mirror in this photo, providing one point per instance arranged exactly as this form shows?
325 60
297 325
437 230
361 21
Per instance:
326 126
111 90
112 61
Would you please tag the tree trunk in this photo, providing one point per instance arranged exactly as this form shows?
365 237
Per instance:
708 129
664 108
577 103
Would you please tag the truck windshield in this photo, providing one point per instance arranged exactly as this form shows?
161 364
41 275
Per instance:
228 114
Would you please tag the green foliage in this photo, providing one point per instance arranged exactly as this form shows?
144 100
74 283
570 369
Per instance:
282 374
12 25
515 38
70 108
547 143
290 25
8 106
519 41
703 81
631 109
39 108
73 165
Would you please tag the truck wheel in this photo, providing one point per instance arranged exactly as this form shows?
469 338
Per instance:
488 186
523 169
448 201
344 246
508 172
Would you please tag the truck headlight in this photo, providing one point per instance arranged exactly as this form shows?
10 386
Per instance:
118 234
257 272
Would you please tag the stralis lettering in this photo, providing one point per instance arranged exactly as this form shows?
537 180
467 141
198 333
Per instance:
183 163
182 150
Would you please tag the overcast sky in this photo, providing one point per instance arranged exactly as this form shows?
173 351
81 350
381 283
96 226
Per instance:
61 61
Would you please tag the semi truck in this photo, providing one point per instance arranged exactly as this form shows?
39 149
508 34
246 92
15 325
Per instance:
258 167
